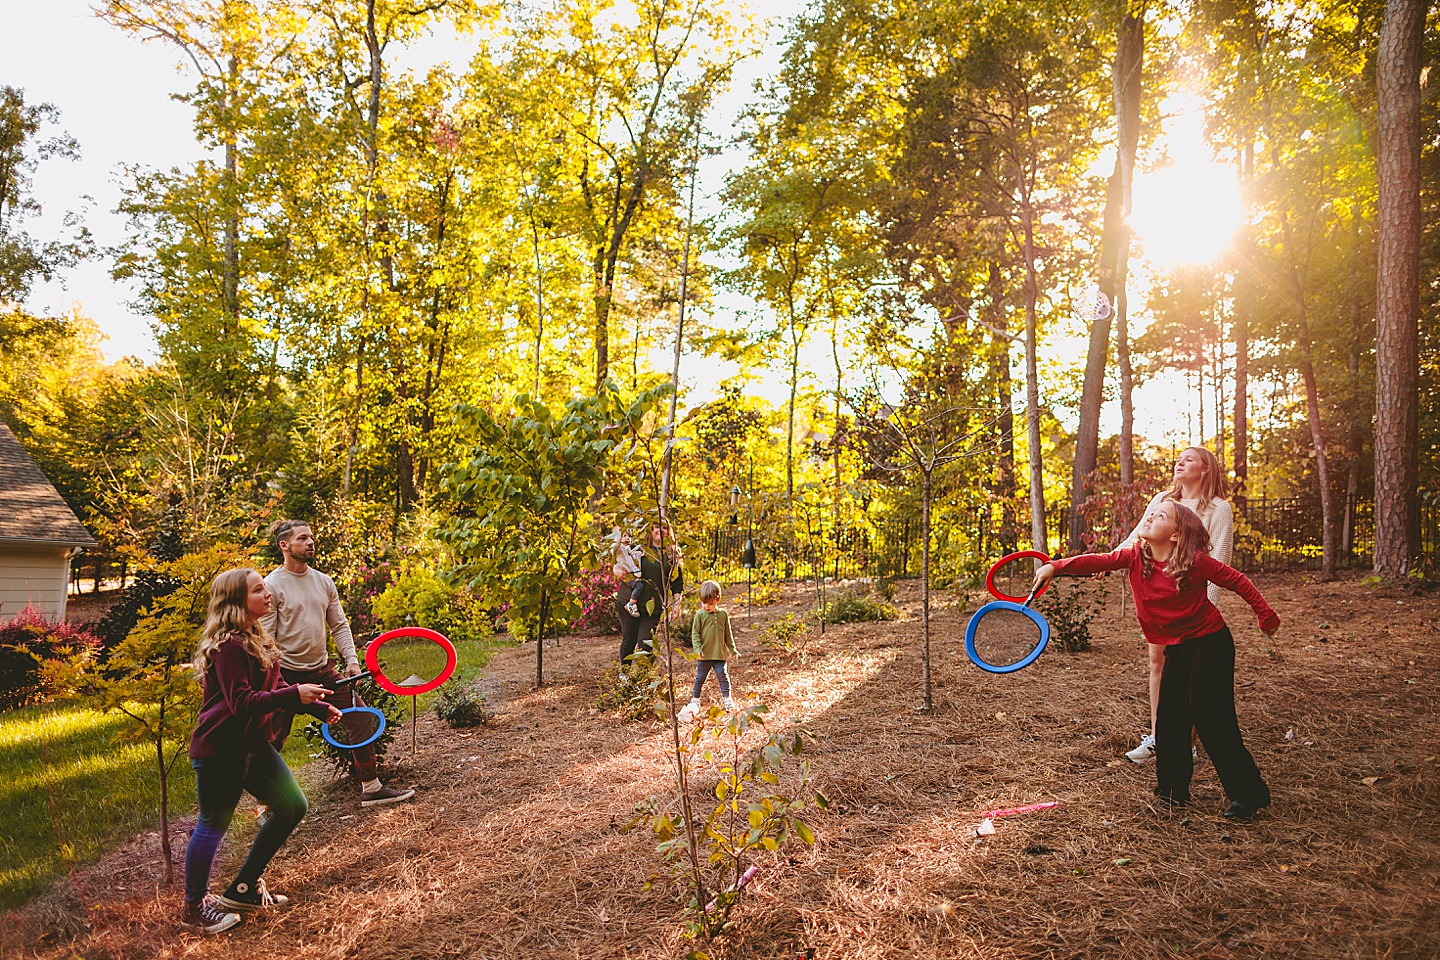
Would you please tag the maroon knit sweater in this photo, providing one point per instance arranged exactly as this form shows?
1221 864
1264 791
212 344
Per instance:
241 699
1166 613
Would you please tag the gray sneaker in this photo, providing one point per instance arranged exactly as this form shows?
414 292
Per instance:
384 795
1146 750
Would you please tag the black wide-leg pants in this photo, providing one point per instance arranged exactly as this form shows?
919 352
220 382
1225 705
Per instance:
1197 689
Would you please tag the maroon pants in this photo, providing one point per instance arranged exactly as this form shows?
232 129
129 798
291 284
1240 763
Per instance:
366 765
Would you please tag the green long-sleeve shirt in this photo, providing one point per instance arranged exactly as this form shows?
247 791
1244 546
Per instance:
711 636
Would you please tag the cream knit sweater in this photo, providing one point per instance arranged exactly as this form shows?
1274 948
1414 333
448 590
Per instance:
1219 520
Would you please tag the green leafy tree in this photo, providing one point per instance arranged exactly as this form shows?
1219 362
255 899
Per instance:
521 499
23 259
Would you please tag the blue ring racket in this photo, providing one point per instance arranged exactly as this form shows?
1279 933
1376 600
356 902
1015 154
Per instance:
359 727
1006 627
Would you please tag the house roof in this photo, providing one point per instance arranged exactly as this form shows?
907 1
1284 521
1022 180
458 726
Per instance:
31 509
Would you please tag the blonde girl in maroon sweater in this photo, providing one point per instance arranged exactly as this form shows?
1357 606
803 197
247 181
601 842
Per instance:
1169 568
236 747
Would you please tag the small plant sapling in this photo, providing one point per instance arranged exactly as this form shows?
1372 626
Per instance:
754 813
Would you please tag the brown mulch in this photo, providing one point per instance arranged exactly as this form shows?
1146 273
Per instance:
514 846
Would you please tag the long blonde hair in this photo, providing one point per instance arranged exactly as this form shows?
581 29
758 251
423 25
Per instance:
1212 487
228 617
1192 540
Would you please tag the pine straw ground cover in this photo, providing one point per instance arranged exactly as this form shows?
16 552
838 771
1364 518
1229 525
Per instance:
514 846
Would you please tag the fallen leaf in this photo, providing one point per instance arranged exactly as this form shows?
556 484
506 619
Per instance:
1000 715
1122 862
1289 734
1115 763
1370 781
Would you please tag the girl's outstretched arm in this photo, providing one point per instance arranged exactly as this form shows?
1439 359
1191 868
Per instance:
1079 566
1232 579
1086 563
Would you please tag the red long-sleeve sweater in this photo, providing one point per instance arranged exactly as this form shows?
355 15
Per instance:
241 698
1168 615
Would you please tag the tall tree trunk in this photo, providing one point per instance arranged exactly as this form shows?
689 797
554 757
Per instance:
835 438
1240 428
1038 537
1398 288
539 300
540 640
1322 457
790 449
164 770
602 327
1356 439
347 477
1240 330
679 331
231 280
1126 83
925 581
1004 477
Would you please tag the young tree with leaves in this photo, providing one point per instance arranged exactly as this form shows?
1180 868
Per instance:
520 502
147 678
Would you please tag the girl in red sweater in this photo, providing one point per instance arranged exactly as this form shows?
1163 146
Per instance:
1169 568
235 747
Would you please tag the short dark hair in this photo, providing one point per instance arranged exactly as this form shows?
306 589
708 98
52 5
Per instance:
280 530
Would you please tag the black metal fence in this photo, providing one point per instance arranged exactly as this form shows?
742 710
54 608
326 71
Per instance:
1271 534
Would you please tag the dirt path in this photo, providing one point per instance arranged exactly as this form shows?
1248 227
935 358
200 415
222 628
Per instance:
514 847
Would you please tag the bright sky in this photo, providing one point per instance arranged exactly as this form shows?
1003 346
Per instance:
114 95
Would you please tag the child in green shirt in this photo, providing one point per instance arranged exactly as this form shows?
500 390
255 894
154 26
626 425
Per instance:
714 643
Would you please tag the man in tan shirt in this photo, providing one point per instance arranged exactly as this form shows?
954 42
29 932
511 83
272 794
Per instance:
305 604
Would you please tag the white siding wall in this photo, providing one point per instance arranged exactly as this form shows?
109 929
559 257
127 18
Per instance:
33 576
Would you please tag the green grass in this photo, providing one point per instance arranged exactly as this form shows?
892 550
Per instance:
70 792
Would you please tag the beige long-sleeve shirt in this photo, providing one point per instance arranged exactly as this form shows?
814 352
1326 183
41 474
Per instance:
1219 521
303 606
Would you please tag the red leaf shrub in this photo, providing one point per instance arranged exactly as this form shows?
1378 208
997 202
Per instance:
595 590
29 639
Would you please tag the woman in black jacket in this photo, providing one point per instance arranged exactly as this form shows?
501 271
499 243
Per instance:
658 565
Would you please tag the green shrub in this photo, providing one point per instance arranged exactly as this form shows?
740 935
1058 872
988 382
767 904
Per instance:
1070 613
463 707
634 693
418 597
787 632
858 608
885 586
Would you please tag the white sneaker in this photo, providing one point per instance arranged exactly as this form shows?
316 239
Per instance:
729 704
632 608
689 711
1146 750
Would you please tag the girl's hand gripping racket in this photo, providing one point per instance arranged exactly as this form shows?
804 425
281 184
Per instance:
1004 636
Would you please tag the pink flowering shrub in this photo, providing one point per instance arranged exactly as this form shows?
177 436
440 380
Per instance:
595 590
27 641
359 590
